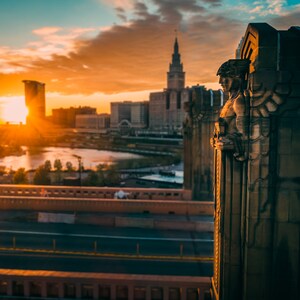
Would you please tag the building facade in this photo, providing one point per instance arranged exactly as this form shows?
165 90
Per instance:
166 112
93 121
66 117
119 111
129 114
139 114
35 99
202 111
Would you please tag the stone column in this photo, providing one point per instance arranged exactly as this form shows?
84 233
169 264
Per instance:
148 293
9 287
183 293
165 292
95 291
61 290
44 289
26 288
130 292
113 292
78 290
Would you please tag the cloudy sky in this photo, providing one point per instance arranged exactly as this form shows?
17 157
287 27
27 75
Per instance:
91 52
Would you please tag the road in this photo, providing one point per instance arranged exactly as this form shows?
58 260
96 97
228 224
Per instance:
89 248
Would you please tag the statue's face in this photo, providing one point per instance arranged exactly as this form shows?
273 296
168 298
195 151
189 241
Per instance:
226 83
229 84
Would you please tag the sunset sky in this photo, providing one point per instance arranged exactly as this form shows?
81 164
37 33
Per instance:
91 52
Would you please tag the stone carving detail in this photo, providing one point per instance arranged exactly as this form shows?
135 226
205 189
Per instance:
193 116
232 128
188 121
263 101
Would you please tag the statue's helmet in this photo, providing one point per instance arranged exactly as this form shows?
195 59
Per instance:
234 68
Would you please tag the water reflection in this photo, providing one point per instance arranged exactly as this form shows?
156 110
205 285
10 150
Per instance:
33 157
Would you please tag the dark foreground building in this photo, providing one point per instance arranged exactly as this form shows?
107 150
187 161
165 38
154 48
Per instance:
257 170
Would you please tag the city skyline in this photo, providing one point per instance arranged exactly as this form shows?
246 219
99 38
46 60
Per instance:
93 52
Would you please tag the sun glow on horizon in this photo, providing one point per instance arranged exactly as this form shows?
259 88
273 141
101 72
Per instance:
14 111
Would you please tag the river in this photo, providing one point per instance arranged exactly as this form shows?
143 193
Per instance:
34 157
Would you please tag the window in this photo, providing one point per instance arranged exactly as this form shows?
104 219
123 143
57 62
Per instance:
139 293
52 290
104 292
174 294
87 291
122 293
35 289
69 290
3 288
156 293
18 288
192 294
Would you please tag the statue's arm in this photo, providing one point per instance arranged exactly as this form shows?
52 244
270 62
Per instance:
242 114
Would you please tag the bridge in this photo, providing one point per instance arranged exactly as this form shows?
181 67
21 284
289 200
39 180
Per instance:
86 199
82 255
80 285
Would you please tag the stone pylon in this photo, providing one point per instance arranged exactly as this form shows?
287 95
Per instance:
257 170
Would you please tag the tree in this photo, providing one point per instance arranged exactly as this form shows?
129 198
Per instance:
69 166
112 177
101 174
20 177
57 165
47 165
41 176
2 170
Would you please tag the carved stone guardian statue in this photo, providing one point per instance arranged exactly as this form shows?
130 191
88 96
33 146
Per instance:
232 127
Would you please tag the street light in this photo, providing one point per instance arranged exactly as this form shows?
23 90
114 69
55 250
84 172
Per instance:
79 166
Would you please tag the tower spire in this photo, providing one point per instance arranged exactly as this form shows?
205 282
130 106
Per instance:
176 76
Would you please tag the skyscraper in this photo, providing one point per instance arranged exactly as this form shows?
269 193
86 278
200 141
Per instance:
35 99
166 111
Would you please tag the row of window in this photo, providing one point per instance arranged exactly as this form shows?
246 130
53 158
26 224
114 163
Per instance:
104 291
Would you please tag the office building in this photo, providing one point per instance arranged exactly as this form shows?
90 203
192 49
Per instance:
66 116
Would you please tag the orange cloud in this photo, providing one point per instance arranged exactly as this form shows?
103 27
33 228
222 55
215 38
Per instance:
126 58
46 30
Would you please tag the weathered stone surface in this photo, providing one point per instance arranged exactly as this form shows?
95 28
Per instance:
289 165
282 206
260 201
294 207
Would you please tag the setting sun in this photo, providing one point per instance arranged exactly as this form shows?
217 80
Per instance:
14 111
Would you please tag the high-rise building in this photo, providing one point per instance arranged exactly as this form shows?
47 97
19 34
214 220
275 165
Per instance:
166 112
35 99
120 111
139 114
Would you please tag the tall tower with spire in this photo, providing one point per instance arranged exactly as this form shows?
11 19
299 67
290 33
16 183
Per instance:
176 76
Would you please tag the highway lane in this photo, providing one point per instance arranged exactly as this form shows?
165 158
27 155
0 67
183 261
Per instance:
75 237
104 239
103 265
